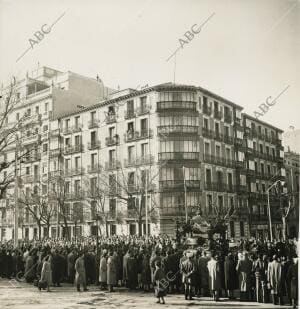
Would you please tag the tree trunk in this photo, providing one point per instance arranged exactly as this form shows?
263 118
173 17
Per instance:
140 227
106 229
284 228
40 230
67 236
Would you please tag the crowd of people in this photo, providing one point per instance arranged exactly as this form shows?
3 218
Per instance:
259 270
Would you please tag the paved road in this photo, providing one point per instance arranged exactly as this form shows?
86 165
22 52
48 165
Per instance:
17 295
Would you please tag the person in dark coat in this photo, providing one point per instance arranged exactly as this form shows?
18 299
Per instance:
286 286
244 269
292 277
187 269
56 268
231 276
132 273
146 272
71 258
29 269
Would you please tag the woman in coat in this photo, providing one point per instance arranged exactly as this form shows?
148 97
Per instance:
111 272
103 270
80 276
214 279
231 277
46 273
146 272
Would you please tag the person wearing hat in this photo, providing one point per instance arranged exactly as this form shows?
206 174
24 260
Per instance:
214 279
80 276
244 269
187 269
103 270
275 280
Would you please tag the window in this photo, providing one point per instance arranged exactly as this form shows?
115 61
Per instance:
93 210
112 156
93 159
218 151
130 107
144 149
37 109
45 147
226 131
93 186
130 153
209 203
206 148
77 119
77 140
112 207
93 116
67 142
77 186
46 107
77 162
93 137
208 176
205 123
144 125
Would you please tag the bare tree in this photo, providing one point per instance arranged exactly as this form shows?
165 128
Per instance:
39 208
59 193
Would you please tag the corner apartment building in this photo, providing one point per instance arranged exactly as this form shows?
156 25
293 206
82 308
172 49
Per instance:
41 95
264 155
176 148
292 166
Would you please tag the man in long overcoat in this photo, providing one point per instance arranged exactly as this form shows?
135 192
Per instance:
111 271
188 268
71 266
80 276
274 278
214 278
103 270
244 269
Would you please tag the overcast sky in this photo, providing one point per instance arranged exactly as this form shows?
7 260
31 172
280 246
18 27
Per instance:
246 52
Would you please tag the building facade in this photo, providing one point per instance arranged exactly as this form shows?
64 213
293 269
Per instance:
148 160
292 165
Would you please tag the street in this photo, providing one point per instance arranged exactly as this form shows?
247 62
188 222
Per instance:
22 295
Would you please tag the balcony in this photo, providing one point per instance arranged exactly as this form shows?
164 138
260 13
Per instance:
206 110
55 174
94 145
146 159
228 118
241 188
215 186
208 158
228 139
76 195
112 140
78 171
32 158
77 128
67 130
55 152
176 105
142 160
96 168
136 135
112 165
177 129
31 178
30 139
240 165
218 114
238 142
94 123
111 118
208 133
178 156
55 133
129 114
179 184
129 162
142 110
73 149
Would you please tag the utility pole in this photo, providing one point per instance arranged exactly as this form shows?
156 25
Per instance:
16 225
146 203
185 201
